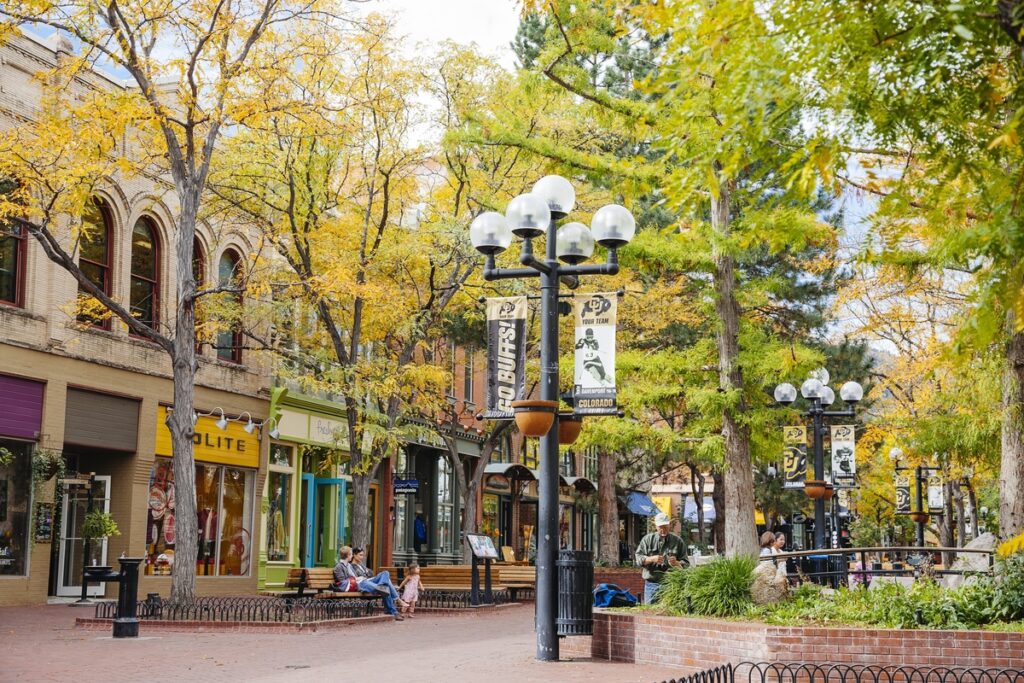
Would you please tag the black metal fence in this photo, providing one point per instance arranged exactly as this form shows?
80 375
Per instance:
248 609
433 598
765 672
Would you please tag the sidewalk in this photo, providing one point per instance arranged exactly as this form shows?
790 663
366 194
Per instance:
41 644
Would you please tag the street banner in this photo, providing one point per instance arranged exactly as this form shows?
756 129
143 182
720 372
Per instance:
794 461
936 494
902 494
506 355
595 316
844 502
844 460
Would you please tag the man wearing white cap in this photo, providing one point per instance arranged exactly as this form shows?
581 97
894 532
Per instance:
657 553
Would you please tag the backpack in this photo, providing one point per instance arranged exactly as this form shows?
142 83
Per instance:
610 595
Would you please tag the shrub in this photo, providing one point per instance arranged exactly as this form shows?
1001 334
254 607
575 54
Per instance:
720 588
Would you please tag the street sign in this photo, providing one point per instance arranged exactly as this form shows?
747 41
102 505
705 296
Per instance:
408 486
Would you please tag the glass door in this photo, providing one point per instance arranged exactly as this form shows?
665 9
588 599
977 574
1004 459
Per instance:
323 520
73 511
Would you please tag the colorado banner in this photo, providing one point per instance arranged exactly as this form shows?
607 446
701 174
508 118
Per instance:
902 494
506 355
844 462
595 353
794 462
936 494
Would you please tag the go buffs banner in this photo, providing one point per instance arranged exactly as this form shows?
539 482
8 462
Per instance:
794 462
902 494
595 316
844 460
506 355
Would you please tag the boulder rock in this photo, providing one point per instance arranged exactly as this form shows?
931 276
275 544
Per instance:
971 562
770 586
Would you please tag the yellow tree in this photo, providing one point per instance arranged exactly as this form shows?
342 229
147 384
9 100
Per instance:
192 67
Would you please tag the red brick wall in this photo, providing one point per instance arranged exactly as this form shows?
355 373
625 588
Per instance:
705 643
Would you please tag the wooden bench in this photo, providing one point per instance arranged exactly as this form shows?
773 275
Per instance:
320 580
516 578
455 577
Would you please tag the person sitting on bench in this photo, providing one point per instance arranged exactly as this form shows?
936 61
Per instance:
350 570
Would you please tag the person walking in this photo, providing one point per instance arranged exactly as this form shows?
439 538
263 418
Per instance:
658 552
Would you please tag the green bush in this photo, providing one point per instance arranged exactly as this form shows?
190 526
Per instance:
1008 588
720 588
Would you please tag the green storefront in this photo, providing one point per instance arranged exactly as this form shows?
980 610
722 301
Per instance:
306 503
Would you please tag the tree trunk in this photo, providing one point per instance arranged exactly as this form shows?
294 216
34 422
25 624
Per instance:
697 486
961 527
946 524
607 510
1011 470
718 499
361 509
972 498
740 530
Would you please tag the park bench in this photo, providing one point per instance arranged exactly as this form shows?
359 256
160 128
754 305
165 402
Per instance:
516 578
455 577
320 580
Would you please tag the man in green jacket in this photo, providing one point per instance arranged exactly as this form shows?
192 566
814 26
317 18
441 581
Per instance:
657 553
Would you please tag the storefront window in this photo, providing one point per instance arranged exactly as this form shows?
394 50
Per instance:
224 507
565 535
15 494
490 524
445 506
279 493
528 529
401 519
531 454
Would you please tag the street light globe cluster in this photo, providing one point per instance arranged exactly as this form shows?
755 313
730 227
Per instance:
528 216
814 388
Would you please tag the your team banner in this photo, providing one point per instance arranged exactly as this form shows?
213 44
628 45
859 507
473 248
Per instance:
595 353
506 355
794 462
844 461
902 494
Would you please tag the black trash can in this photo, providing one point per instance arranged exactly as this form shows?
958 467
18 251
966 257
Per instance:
575 593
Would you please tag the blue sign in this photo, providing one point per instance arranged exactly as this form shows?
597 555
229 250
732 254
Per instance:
411 486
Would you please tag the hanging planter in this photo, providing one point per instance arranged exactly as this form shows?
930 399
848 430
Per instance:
829 491
569 427
814 488
919 517
534 418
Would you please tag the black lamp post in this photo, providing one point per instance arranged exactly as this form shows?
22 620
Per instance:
815 389
921 514
529 216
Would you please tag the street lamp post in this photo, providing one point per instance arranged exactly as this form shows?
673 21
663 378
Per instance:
816 390
530 216
920 515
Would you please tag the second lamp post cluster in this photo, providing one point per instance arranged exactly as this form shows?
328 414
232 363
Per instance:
816 390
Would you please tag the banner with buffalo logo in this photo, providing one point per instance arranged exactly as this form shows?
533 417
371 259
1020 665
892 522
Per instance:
506 355
794 462
595 354
844 461
936 494
902 494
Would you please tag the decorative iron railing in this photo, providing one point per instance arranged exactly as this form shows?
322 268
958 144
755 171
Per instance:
774 672
248 609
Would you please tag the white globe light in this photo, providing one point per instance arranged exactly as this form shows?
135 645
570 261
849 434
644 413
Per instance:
557 192
574 243
613 226
528 215
895 453
828 397
489 233
851 392
785 393
821 374
811 388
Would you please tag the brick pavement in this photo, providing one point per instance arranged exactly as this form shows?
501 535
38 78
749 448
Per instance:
42 644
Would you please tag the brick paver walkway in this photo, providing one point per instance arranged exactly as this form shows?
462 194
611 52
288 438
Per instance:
42 644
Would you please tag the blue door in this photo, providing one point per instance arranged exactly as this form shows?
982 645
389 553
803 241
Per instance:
324 498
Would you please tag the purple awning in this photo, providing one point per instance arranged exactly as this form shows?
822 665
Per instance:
21 407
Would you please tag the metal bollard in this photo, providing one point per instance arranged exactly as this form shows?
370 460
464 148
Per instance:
126 625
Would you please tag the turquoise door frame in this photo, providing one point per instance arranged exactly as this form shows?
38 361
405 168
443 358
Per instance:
311 484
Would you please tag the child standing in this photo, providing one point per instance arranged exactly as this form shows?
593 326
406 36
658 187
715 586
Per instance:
410 588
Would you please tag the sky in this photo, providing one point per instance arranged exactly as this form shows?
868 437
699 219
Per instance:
491 24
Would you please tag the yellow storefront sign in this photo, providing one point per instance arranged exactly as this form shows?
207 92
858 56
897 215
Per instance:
663 503
232 446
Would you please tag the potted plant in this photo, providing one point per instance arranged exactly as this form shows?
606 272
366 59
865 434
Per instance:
534 417
569 427
814 488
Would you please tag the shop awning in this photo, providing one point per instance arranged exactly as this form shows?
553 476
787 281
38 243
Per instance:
509 470
690 512
641 504
581 484
561 479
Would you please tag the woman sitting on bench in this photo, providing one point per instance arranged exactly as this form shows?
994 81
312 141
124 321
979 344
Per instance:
350 574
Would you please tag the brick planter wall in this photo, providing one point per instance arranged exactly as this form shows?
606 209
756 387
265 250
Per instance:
624 577
694 643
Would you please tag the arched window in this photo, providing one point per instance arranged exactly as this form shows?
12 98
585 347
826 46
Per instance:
229 342
95 252
12 254
145 282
